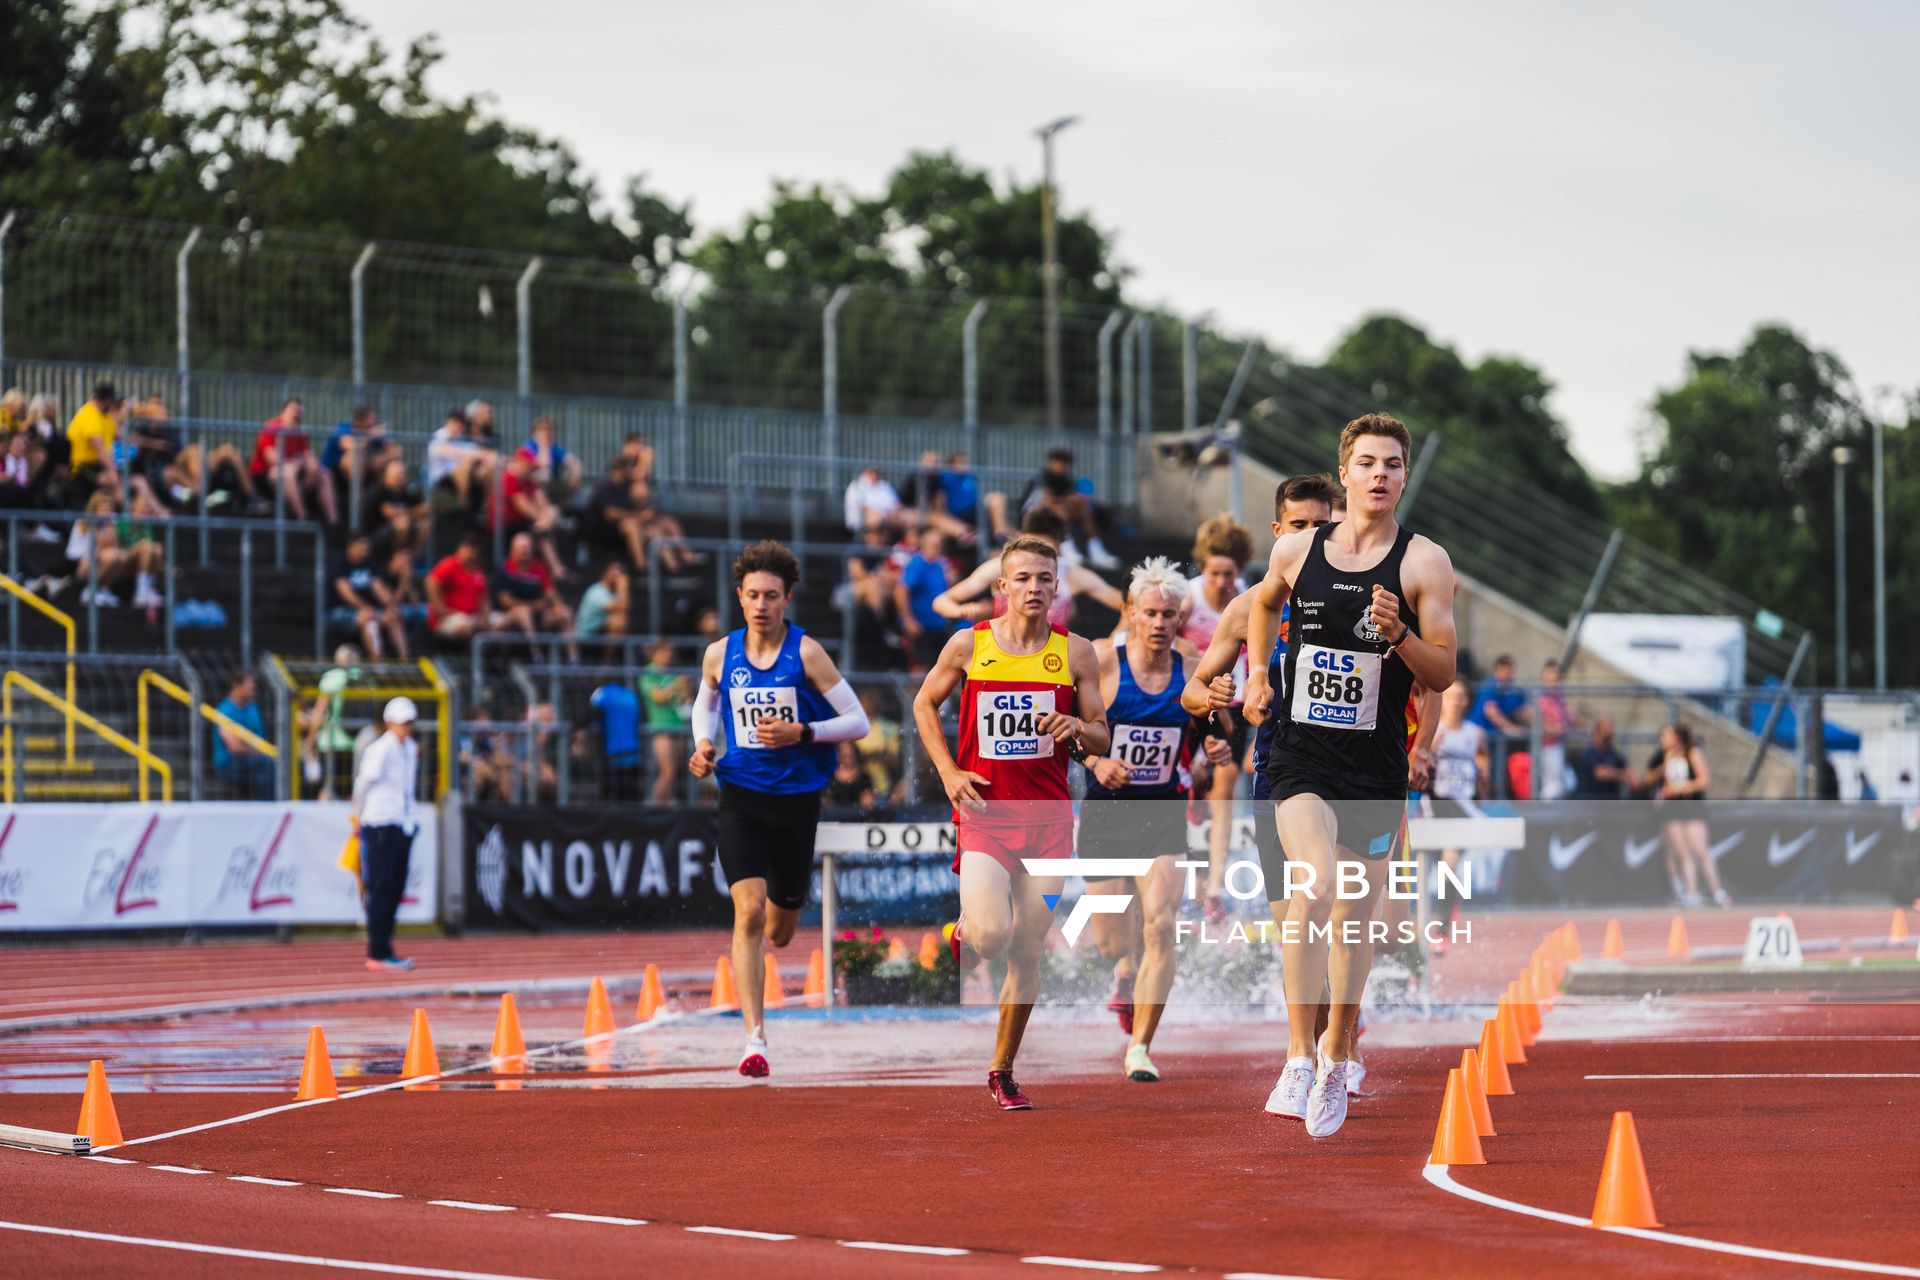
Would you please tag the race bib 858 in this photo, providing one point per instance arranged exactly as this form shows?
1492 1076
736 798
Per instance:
1336 688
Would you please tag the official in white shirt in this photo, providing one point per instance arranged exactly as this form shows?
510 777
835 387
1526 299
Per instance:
383 791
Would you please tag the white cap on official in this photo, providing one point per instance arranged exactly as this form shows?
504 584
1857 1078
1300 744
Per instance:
402 711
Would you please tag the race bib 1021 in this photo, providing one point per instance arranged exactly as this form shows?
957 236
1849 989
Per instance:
1336 688
1150 752
1009 725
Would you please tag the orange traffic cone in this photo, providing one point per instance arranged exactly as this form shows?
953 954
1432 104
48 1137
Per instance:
1455 1140
1897 931
724 996
1523 1015
1677 946
421 1060
98 1121
509 1046
816 986
1494 1080
316 1074
771 995
930 950
1511 1049
1476 1093
652 997
599 1011
1612 946
1624 1198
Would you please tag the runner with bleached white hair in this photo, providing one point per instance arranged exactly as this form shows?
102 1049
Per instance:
1146 766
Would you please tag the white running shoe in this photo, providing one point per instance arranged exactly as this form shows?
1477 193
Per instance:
1139 1066
1289 1096
1327 1104
753 1063
1356 1078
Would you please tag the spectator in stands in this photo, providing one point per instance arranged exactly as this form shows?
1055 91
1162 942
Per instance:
1905 792
397 514
924 579
235 758
961 497
1602 772
668 699
16 474
485 760
850 787
106 554
283 456
873 579
544 774
229 485
90 438
360 443
880 749
926 502
480 424
403 593
1868 795
610 525
1557 719
871 502
158 456
460 465
361 602
1057 489
605 605
554 469
524 595
49 452
1499 705
329 743
617 728
13 410
655 525
525 508
457 594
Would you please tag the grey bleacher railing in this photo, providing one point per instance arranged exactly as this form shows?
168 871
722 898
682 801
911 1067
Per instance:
749 474
171 531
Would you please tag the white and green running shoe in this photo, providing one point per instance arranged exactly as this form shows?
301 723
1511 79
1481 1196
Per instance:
1139 1065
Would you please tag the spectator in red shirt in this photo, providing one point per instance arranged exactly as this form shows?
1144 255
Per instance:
523 592
457 594
284 456
525 508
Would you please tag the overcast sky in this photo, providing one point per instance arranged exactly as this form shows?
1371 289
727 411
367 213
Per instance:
1596 188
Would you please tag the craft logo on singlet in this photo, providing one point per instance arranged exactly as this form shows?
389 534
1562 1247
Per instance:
121 879
260 877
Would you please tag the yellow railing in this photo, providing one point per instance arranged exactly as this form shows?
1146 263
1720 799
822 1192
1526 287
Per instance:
65 620
151 679
112 736
435 690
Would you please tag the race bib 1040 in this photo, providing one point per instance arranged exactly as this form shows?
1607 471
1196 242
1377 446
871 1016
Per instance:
1150 752
1336 688
753 705
1009 725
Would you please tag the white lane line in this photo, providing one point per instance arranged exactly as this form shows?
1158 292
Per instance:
1439 1176
112 1160
261 1182
931 1250
735 1231
474 1205
1755 1039
601 1218
1770 1075
177 1168
1265 1275
257 1255
1086 1264
355 1191
484 1064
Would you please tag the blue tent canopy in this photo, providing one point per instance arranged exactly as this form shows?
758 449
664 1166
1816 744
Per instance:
1786 733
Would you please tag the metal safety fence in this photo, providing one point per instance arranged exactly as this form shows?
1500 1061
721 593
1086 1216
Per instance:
90 727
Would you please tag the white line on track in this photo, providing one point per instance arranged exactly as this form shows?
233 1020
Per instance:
601 1218
736 1231
177 1168
1756 1039
256 1255
475 1206
932 1250
1265 1275
1087 1264
111 1160
261 1182
365 1195
1441 1177
1770 1075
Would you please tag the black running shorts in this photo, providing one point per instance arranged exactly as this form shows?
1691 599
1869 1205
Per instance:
770 837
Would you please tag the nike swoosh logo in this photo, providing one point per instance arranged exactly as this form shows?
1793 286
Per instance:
987 662
1778 853
1857 849
1717 850
1564 855
1639 851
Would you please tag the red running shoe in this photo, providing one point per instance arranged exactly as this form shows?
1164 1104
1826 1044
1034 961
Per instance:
954 939
753 1063
1005 1092
1120 1000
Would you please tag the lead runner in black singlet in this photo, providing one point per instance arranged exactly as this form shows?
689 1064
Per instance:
1371 613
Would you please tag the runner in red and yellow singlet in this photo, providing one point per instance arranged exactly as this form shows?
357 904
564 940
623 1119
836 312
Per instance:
1030 702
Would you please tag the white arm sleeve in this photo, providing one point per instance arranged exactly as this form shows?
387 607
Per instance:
850 725
706 714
